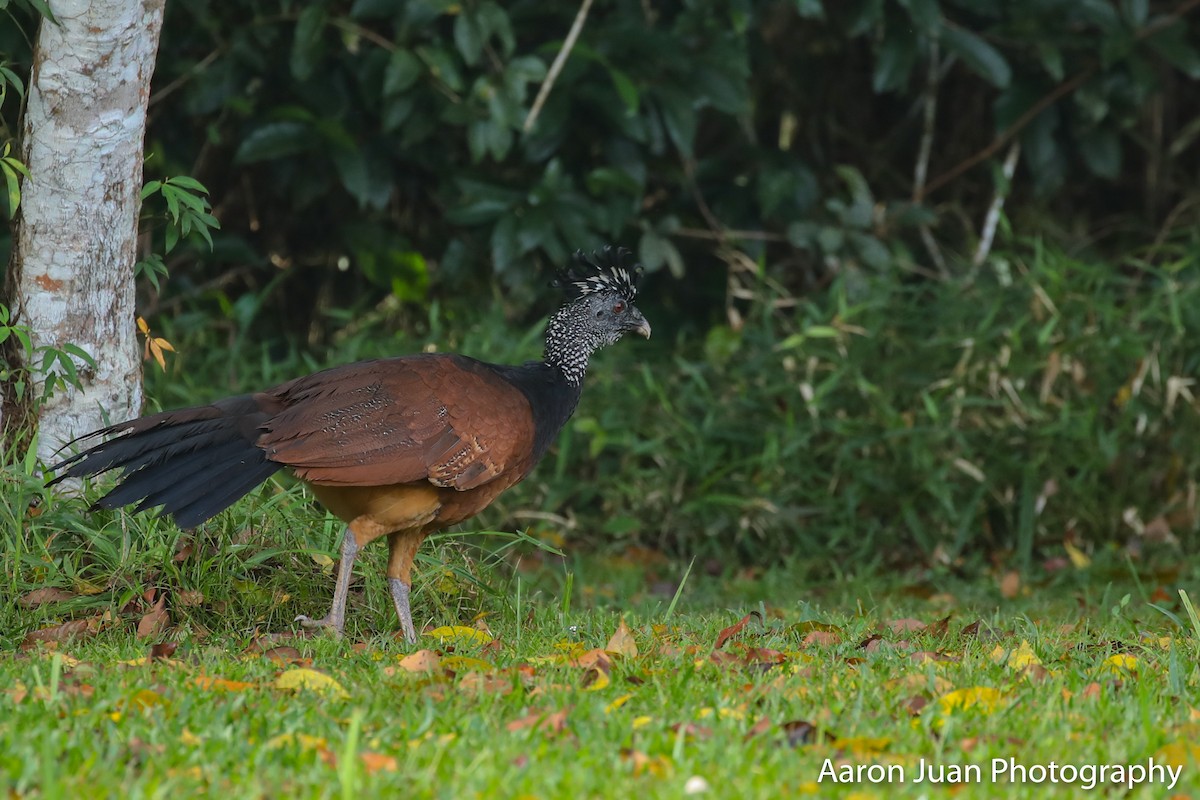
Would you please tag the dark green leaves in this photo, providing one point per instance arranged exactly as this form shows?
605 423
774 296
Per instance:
982 58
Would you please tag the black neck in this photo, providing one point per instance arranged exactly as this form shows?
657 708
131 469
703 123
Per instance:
552 396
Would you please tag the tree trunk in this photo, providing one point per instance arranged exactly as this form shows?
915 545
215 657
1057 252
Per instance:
71 278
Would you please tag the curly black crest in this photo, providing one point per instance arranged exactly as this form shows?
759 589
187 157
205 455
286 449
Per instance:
604 270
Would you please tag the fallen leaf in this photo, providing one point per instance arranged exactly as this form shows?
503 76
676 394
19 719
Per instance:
540 721
592 658
734 629
863 746
799 731
302 740
163 650
621 643
156 620
921 656
659 766
906 625
1018 658
1078 558
1120 664
76 628
594 679
378 762
49 594
459 634
1010 584
984 699
821 638
310 680
285 655
420 661
759 728
617 703
206 683
466 664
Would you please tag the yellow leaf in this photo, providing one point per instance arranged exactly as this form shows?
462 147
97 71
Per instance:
189 738
82 586
622 642
209 684
615 704
301 679
1078 558
459 634
983 699
146 699
1119 664
1019 658
466 664
596 683
164 344
323 561
1178 754
303 740
420 661
863 746
641 722
142 326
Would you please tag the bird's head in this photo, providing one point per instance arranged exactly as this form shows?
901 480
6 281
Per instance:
600 289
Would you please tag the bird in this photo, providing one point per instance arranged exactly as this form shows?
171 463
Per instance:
396 447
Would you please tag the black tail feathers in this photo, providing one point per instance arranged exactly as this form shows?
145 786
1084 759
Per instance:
195 462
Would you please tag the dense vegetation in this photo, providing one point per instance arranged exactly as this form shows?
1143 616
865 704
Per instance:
842 358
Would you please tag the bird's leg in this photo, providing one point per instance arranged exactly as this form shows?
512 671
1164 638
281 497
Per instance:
336 618
400 598
402 549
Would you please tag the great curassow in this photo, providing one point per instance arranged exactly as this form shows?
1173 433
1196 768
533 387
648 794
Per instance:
396 447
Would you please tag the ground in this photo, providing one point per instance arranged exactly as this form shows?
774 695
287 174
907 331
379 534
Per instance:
634 678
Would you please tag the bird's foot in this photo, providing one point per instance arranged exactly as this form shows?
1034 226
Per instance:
330 621
400 598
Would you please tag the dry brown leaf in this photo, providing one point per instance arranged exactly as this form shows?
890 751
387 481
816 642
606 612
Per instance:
540 721
1010 584
970 630
906 625
914 704
49 594
821 639
921 656
483 683
593 658
163 650
420 661
763 725
621 643
378 762
156 620
800 732
76 628
734 629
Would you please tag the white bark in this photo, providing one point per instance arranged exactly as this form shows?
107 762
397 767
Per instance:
75 247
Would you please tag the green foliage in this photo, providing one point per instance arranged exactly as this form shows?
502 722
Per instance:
349 143
55 366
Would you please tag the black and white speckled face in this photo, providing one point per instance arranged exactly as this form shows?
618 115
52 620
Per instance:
586 324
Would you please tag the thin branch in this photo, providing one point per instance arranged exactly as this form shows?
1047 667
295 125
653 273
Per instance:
559 61
701 233
992 220
921 169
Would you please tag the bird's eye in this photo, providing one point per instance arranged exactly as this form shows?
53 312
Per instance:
618 308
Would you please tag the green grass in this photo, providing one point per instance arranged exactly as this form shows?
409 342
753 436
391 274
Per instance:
74 719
